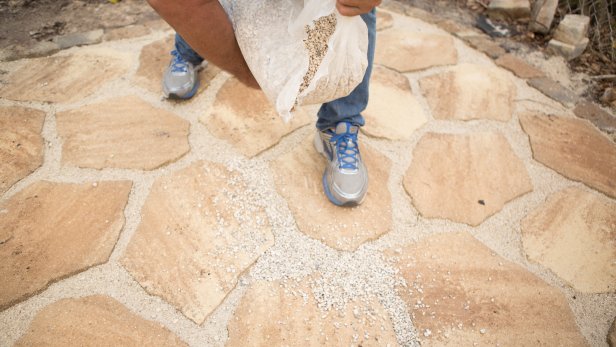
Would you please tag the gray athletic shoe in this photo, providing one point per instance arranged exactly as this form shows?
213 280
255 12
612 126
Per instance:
345 179
180 79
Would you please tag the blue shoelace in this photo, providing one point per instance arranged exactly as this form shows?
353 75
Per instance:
346 147
178 64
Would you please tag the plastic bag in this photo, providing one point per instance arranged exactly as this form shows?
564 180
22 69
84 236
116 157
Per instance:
271 36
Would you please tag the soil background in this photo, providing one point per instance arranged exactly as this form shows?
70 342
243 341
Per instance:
25 22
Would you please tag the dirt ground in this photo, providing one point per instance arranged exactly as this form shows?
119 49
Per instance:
24 22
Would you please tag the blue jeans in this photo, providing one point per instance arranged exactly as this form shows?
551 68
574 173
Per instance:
348 108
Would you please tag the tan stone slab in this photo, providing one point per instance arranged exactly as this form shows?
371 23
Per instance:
542 15
464 178
462 294
245 118
405 50
94 321
518 66
201 228
596 115
454 27
393 112
153 61
502 10
574 148
341 228
61 78
123 132
484 44
50 231
384 20
574 235
451 96
21 144
126 32
271 314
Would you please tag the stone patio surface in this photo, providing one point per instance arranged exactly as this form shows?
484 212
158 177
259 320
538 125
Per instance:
127 219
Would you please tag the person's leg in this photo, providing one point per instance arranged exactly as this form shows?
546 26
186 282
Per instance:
180 80
189 54
345 180
349 108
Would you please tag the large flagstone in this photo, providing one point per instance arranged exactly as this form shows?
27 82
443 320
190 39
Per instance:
574 148
393 112
62 78
94 321
21 144
574 235
298 176
50 231
464 178
200 230
271 314
462 294
245 118
470 92
404 50
124 132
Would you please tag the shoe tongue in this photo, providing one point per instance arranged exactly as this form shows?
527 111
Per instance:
343 127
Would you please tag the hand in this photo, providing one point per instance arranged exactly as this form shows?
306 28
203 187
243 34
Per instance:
356 7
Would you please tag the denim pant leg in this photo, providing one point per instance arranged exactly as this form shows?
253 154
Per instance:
186 52
349 108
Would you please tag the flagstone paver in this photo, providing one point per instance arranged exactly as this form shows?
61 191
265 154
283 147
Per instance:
553 90
449 96
404 50
126 32
502 10
124 132
245 118
574 234
153 61
393 112
518 66
462 294
596 115
464 178
340 228
21 144
485 45
384 20
62 78
574 148
271 314
201 227
52 230
94 321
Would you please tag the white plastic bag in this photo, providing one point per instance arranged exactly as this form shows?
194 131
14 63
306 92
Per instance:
270 34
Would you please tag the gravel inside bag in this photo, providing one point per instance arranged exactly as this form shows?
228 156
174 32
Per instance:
316 45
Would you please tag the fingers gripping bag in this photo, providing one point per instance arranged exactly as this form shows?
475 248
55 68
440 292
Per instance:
300 51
